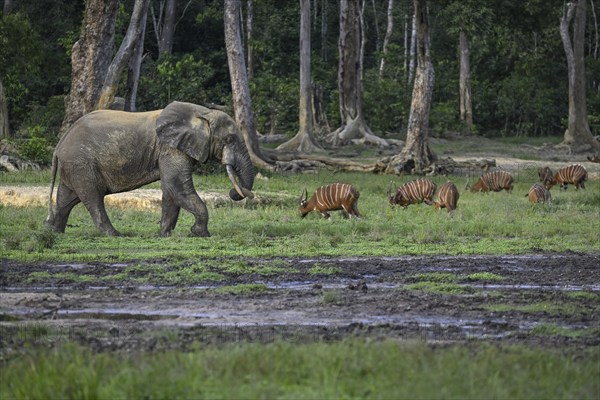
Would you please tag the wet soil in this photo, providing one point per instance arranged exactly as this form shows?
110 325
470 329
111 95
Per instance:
543 299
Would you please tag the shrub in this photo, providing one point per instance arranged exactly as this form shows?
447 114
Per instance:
36 148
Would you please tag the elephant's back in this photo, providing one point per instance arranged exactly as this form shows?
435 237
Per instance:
107 121
105 134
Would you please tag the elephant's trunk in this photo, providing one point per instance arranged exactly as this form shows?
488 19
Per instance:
239 189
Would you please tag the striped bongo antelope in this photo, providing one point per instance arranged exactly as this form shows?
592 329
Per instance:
413 192
337 196
575 174
494 181
538 194
447 197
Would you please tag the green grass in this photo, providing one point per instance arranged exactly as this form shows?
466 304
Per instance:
440 288
551 308
346 369
554 330
244 288
497 223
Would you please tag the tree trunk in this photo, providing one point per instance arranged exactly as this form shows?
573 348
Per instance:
167 31
4 125
90 59
239 81
388 34
304 141
578 134
135 67
8 7
126 50
354 126
324 31
249 38
416 155
413 43
466 108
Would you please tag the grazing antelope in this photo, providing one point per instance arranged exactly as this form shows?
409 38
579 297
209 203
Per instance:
337 196
538 194
575 174
447 197
545 174
494 181
413 192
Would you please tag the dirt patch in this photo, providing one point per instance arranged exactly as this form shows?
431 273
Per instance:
138 199
546 299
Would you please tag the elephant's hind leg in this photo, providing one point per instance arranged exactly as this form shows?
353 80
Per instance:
94 202
66 199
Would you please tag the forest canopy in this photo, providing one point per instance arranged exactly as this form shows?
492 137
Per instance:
518 65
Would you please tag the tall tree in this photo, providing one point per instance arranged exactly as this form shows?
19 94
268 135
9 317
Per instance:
354 126
304 141
578 134
240 89
4 125
90 59
466 19
388 34
135 67
125 53
249 38
416 155
165 44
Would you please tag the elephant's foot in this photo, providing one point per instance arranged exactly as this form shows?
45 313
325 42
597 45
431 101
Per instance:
52 225
198 230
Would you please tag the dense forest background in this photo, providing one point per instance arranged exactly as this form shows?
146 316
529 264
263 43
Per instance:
518 64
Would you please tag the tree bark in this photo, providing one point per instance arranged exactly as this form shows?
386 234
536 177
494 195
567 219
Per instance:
354 126
413 43
388 34
416 155
304 140
466 107
167 31
249 38
8 7
135 67
578 134
4 125
121 59
90 59
239 81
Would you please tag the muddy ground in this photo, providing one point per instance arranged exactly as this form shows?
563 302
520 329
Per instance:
546 299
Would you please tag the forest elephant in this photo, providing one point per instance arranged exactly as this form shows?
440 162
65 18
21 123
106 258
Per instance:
109 151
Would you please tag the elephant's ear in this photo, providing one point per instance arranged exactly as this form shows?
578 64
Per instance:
183 127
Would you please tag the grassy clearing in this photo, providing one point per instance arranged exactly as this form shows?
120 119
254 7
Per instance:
497 223
347 369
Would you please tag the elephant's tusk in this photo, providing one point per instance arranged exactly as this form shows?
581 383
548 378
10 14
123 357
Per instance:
240 190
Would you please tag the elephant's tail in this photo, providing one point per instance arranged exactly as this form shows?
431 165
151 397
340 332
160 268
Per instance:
52 181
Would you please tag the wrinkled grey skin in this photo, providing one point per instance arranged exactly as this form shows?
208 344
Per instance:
108 152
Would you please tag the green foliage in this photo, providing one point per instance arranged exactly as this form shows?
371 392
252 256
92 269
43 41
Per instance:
36 148
182 78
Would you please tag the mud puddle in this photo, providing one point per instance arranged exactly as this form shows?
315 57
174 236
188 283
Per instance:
548 299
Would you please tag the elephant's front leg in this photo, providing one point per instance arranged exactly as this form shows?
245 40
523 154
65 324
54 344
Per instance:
170 214
178 187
